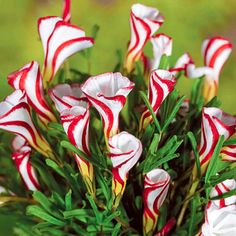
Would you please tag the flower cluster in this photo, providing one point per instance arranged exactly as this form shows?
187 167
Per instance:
132 160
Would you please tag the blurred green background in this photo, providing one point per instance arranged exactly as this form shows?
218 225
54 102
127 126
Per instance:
189 22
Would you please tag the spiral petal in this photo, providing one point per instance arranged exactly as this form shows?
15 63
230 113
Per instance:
156 185
228 153
125 151
75 121
15 118
107 93
29 80
60 40
66 15
21 156
65 96
144 22
214 124
161 84
215 52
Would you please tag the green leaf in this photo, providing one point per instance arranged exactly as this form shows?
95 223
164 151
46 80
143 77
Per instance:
40 213
195 151
147 103
212 168
224 176
164 63
80 213
225 195
192 223
68 200
173 113
55 167
116 229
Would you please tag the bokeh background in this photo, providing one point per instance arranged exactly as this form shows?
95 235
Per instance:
189 22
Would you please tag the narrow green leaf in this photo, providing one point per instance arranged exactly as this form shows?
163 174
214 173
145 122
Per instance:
147 103
224 176
192 222
68 200
55 167
225 195
164 63
116 229
195 151
81 213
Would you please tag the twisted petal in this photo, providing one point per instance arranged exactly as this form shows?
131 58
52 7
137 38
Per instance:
181 64
65 96
215 52
162 45
214 124
219 221
125 151
21 157
75 121
228 153
60 40
29 80
66 15
144 22
193 72
15 118
161 84
156 185
224 187
107 93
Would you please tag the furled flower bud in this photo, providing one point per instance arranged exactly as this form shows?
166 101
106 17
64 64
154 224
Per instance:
156 185
65 96
161 84
60 40
125 151
181 64
214 124
144 22
107 93
162 45
221 188
15 118
29 80
75 121
215 52
66 15
228 153
21 157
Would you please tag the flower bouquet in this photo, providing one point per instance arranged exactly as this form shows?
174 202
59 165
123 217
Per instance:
123 152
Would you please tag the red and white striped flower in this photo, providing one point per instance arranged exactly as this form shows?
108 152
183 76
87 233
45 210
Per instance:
221 188
219 221
192 72
215 52
75 121
66 15
125 151
107 93
66 96
181 64
144 22
15 118
21 157
228 153
161 84
60 40
29 80
156 185
162 45
214 124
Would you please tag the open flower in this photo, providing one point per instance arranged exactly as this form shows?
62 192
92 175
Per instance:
29 80
215 52
156 185
15 118
228 153
219 221
107 93
162 45
125 151
144 22
221 188
60 40
21 157
75 121
161 84
66 15
65 96
214 124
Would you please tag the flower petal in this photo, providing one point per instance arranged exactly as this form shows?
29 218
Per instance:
66 15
